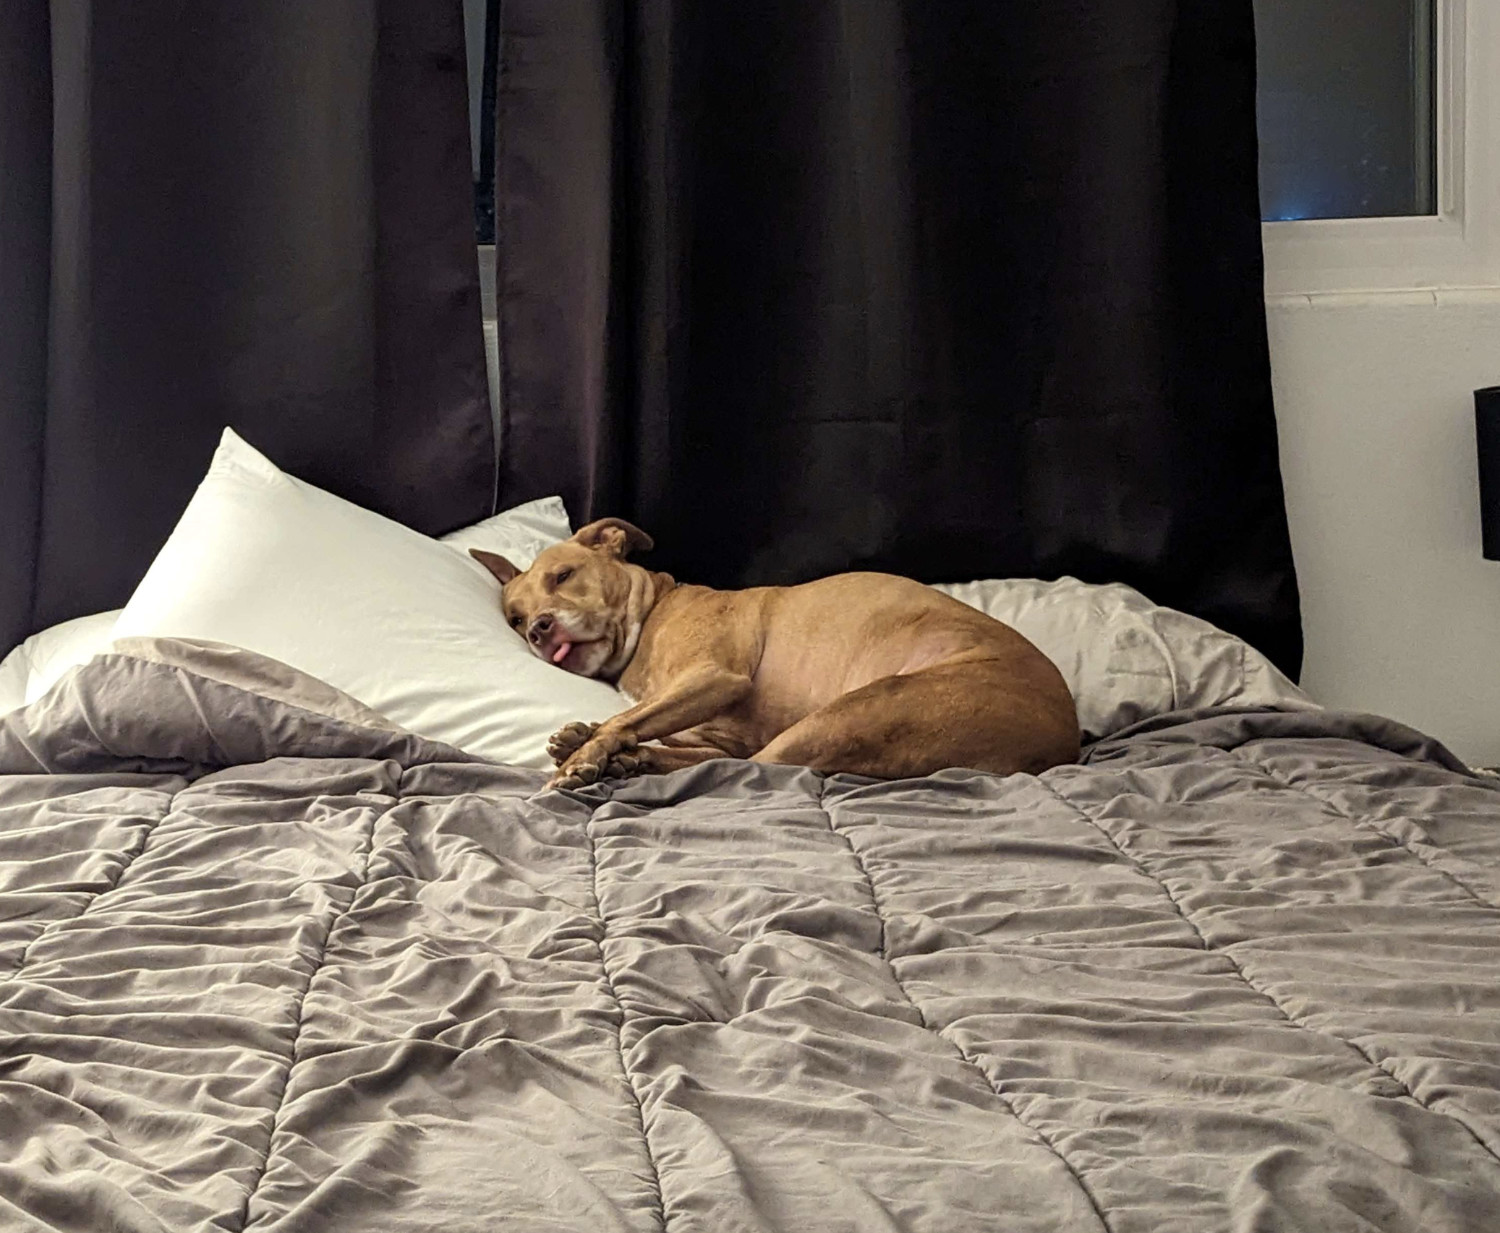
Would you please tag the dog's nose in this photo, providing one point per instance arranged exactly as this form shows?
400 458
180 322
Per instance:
540 628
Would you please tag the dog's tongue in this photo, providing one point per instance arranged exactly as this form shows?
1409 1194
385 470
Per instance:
561 653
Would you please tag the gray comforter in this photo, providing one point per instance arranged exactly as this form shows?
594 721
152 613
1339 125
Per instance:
265 969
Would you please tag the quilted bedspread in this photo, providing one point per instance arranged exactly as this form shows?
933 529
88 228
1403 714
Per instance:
264 969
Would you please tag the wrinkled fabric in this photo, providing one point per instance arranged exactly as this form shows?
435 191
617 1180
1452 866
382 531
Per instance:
262 968
1125 658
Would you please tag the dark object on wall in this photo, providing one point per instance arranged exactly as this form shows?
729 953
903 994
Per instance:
1487 436
257 214
955 290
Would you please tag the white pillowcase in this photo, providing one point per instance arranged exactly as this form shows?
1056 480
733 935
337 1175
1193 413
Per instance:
34 667
37 664
1127 659
518 533
14 669
409 626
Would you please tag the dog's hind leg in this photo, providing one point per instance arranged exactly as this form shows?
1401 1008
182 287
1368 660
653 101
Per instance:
662 759
956 713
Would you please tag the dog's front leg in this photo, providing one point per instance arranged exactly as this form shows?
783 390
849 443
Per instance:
691 699
568 740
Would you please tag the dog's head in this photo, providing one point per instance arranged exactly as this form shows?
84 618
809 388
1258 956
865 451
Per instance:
581 605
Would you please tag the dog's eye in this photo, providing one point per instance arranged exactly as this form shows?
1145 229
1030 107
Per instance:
515 621
562 576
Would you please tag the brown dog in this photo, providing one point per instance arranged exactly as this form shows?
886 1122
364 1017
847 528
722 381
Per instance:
866 673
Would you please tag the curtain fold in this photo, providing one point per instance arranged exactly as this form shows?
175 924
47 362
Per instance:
25 245
257 214
955 290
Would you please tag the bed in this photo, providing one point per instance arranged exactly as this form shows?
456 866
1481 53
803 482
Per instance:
291 941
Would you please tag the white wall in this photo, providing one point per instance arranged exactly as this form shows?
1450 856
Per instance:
1374 403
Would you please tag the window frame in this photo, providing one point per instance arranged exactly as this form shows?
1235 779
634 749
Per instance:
1459 246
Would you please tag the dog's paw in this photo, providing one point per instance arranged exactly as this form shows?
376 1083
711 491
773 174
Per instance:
626 763
568 740
600 757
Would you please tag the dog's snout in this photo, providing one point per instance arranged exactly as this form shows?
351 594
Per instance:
540 628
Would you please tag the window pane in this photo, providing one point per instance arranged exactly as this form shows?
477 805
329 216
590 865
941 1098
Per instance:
1347 122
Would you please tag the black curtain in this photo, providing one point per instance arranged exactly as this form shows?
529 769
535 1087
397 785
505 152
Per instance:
256 213
952 288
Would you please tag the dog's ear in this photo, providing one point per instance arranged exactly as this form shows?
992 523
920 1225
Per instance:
503 570
614 536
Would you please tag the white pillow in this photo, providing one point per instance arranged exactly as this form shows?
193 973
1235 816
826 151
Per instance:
409 626
14 669
519 533
34 667
1127 659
